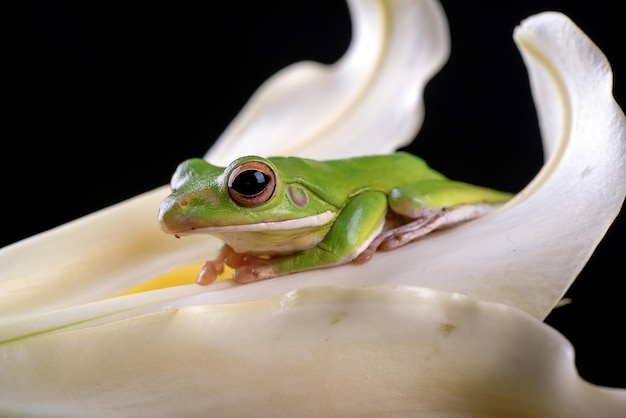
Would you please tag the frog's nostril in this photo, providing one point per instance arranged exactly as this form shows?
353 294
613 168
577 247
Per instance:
183 202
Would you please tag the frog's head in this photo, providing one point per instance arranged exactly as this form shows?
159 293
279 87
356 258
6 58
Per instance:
250 190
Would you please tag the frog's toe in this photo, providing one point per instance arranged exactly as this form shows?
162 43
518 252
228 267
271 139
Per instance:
209 272
250 273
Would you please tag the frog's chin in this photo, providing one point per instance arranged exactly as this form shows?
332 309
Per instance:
312 221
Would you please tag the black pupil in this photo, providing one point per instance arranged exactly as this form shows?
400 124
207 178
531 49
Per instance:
250 182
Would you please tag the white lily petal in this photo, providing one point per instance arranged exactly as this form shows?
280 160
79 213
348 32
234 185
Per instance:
92 258
320 351
96 313
369 102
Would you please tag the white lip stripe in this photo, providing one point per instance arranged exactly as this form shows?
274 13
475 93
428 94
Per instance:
308 221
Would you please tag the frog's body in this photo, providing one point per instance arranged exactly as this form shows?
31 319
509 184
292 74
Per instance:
286 214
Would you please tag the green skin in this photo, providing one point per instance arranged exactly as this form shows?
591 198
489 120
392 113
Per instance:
313 214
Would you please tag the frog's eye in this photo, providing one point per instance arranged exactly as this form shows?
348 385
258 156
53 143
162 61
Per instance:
252 184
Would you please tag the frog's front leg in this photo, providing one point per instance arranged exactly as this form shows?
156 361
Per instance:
226 256
356 225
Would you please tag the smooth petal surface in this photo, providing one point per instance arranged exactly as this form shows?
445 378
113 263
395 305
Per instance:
369 102
92 258
320 351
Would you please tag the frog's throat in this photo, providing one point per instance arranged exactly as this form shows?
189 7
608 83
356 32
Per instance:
312 221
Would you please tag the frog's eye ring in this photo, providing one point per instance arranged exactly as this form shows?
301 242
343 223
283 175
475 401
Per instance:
252 184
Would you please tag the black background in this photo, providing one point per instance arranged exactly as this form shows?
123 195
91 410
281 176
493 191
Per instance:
106 98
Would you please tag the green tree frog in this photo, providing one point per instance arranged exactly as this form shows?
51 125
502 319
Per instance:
282 215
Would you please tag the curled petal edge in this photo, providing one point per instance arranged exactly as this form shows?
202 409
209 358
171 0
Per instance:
374 91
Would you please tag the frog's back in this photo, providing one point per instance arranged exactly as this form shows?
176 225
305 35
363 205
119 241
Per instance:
338 179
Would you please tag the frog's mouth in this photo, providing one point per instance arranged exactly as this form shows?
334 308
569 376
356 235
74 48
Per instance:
271 238
312 221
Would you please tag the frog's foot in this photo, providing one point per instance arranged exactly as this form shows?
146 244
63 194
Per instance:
248 268
393 221
253 273
213 268
433 219
367 254
236 260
